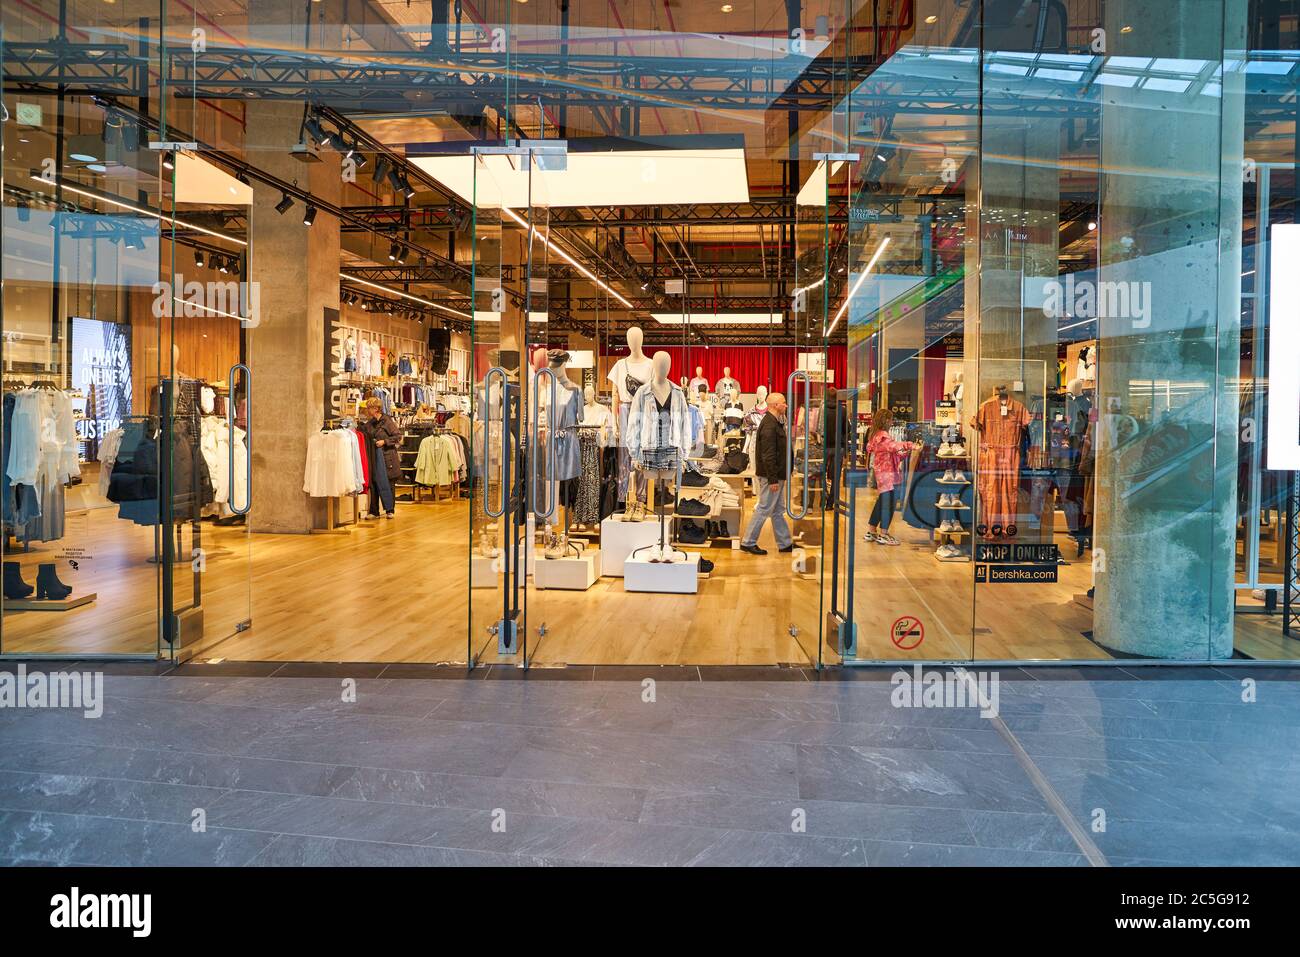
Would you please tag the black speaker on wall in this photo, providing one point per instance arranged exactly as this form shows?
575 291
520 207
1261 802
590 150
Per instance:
439 350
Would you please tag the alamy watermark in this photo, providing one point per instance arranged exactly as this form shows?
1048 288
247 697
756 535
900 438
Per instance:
1103 299
82 690
958 688
197 300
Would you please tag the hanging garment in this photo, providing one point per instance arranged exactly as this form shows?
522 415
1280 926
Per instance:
586 508
697 385
1001 425
601 418
564 458
108 447
727 387
20 503
331 469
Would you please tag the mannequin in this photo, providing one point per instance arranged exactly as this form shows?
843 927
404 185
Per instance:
1000 421
727 387
698 384
627 376
596 415
658 438
754 417
563 458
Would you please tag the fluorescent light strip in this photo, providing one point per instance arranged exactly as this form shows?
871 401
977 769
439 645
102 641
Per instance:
215 312
405 295
566 257
717 319
858 285
143 212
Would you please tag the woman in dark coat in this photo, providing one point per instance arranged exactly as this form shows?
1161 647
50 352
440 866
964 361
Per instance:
383 437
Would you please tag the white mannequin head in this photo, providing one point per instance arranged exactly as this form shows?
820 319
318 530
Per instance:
589 395
1076 387
761 395
635 337
726 372
699 372
662 363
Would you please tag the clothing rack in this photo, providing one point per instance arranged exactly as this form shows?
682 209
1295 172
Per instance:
334 525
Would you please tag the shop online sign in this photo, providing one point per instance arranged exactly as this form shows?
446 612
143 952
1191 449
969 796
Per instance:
1284 349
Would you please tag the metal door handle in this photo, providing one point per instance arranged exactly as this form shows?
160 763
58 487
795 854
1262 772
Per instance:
248 440
487 443
789 446
538 469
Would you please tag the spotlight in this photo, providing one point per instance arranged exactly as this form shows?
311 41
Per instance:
395 179
24 211
407 188
309 216
382 166
198 258
365 306
224 267
169 160
404 255
360 160
134 240
285 204
392 252
317 132
1091 226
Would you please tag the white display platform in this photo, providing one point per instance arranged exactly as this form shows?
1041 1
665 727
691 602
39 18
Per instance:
577 574
483 572
618 538
681 577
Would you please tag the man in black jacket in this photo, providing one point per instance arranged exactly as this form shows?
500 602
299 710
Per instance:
769 467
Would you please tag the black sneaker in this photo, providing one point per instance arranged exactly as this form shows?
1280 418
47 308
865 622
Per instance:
706 566
753 549
788 548
722 530
690 506
690 533
692 479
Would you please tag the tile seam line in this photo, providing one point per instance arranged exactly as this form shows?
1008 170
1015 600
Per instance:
1086 845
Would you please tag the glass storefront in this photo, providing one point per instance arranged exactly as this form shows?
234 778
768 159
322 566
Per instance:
508 333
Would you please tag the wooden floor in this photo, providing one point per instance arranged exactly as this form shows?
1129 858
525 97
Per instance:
396 591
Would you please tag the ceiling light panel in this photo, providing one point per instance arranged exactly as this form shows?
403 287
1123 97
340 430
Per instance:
718 319
648 177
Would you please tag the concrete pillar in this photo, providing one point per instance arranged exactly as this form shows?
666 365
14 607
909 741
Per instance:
1170 217
296 268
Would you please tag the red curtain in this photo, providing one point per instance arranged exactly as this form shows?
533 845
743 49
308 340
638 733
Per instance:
933 368
751 366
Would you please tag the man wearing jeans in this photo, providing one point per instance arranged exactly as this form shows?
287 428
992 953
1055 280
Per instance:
769 467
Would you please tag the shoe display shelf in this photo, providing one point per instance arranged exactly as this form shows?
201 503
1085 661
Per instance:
733 515
953 546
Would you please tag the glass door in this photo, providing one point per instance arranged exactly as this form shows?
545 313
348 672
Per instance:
204 399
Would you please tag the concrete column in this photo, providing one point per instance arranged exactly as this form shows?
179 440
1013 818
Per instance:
296 268
1170 221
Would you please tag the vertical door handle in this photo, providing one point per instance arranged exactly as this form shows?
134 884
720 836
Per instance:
801 375
248 439
487 444
538 468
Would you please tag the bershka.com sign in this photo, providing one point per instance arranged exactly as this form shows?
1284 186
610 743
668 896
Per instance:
75 910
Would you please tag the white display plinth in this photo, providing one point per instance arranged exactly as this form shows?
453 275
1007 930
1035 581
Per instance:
680 577
618 538
483 572
577 574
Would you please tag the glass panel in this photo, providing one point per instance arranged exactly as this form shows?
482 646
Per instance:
496 503
1267 614
909 305
1100 414
81 253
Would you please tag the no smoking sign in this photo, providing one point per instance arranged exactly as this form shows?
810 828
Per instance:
907 632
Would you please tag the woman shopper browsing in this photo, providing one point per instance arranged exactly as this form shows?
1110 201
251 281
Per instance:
886 457
383 436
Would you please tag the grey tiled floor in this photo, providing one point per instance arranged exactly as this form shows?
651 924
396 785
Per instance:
473 772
